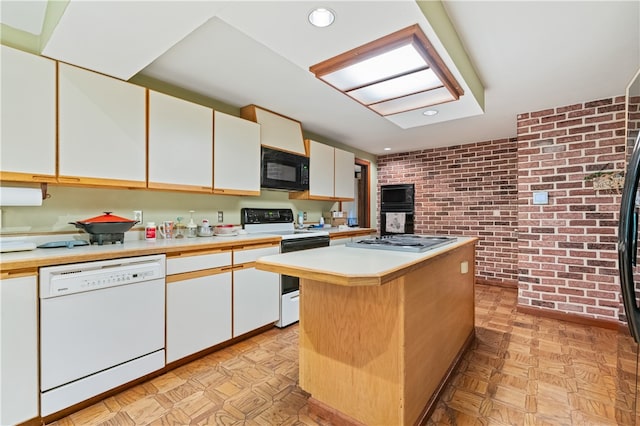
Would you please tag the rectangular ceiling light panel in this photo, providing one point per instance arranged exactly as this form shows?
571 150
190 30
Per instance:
396 73
401 86
408 103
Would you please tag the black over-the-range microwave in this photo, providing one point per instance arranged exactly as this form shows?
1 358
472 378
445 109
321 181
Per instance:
284 170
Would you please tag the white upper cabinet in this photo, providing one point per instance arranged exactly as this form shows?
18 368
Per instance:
102 130
344 174
236 158
180 144
28 129
321 174
276 131
331 174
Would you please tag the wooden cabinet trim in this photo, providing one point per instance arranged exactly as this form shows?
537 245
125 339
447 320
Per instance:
179 187
256 246
235 192
26 177
189 253
98 182
4 275
197 274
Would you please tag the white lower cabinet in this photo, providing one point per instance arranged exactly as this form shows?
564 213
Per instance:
339 241
18 349
198 314
256 294
363 237
198 302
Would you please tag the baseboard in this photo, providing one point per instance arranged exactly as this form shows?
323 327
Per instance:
428 409
497 283
329 414
563 316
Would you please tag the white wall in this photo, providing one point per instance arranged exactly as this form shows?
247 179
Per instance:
70 204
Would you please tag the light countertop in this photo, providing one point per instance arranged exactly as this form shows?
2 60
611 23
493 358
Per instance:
58 256
134 247
353 266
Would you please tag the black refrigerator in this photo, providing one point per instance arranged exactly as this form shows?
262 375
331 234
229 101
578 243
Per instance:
628 383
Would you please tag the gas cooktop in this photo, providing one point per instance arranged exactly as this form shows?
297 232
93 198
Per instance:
404 242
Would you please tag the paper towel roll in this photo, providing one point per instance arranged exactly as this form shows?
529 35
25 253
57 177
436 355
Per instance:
20 196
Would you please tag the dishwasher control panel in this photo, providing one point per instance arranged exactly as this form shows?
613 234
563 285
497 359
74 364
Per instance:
80 277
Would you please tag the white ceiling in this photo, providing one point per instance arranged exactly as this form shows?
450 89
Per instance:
528 55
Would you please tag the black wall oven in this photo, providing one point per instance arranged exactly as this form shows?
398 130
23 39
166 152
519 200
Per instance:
284 170
397 209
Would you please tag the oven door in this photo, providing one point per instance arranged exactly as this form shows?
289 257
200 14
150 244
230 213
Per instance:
408 227
288 283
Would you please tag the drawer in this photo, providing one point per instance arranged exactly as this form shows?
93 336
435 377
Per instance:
197 262
251 255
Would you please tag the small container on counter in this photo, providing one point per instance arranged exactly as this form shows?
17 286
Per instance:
205 230
192 228
150 231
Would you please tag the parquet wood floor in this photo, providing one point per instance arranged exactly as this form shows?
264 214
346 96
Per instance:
521 370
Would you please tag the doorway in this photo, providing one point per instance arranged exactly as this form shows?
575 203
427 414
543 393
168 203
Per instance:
363 187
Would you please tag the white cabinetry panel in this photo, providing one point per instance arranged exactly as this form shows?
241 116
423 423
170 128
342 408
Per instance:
276 131
198 314
102 131
180 144
28 116
236 159
321 173
18 350
331 173
197 262
344 173
255 299
256 294
339 241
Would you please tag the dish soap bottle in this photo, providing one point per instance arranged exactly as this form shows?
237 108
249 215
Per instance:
300 220
321 222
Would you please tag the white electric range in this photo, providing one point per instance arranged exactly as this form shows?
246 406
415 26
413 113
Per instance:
282 222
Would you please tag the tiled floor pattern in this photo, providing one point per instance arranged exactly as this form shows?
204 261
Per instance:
521 370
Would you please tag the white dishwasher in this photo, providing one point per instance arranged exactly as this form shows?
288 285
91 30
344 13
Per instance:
101 325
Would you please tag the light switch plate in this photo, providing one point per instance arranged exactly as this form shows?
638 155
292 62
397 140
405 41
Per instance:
541 197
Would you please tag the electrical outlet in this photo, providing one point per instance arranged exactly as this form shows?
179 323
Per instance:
137 215
305 215
220 217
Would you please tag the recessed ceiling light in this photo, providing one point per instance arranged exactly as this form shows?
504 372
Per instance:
430 112
321 17
387 149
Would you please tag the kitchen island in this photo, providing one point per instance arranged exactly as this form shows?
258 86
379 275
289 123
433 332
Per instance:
380 331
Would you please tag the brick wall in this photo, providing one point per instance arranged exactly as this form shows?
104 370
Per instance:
567 249
465 190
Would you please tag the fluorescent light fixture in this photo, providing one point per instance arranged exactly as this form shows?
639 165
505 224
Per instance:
387 149
393 74
321 17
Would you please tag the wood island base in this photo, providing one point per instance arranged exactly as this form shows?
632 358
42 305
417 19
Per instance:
379 355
